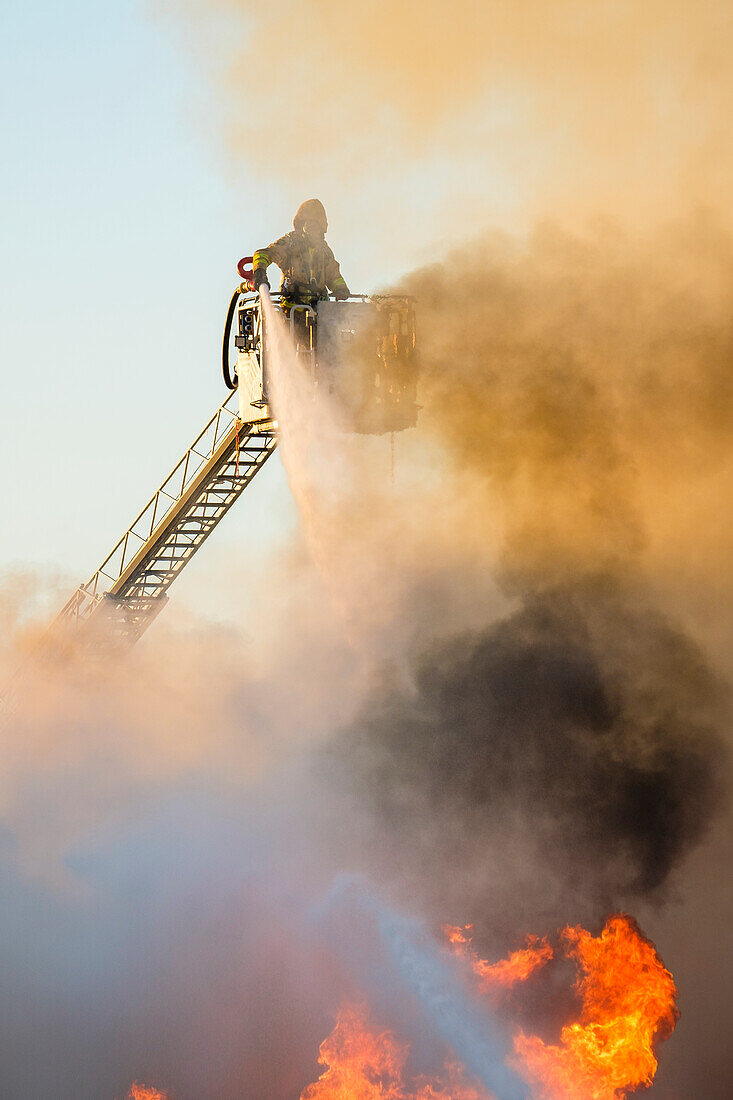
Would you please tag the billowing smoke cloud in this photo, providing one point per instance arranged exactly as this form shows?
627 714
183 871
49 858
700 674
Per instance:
582 396
155 860
580 737
584 378
87 738
473 113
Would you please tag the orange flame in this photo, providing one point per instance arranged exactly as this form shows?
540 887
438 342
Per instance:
458 935
505 973
365 1064
629 1004
145 1092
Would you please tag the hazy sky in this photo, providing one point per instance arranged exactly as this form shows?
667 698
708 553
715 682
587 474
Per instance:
123 215
120 232
139 166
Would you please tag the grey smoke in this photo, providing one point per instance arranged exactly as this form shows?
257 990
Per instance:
583 726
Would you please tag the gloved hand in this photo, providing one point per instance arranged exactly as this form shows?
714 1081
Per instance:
260 278
341 293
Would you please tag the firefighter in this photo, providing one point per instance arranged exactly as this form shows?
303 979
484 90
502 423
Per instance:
307 263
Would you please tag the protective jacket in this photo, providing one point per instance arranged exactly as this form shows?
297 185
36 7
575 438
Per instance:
307 263
306 267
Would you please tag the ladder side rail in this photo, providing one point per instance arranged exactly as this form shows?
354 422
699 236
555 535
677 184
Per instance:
129 611
173 512
168 538
129 608
183 464
88 595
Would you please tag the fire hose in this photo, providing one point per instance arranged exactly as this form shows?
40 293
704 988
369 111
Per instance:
229 380
248 275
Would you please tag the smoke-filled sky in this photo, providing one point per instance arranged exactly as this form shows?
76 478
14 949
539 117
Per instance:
540 601
150 144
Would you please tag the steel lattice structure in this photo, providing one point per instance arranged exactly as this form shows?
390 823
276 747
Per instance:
130 586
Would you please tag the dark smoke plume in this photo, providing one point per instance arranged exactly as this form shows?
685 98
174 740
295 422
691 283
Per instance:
576 746
581 732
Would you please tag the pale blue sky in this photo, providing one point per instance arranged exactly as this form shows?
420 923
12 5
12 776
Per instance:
119 235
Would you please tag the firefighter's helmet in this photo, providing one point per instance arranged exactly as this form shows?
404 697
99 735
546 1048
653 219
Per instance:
312 210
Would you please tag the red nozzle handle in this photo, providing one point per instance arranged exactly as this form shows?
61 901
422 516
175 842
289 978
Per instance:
247 273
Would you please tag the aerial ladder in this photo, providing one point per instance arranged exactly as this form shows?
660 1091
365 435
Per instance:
361 351
130 587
